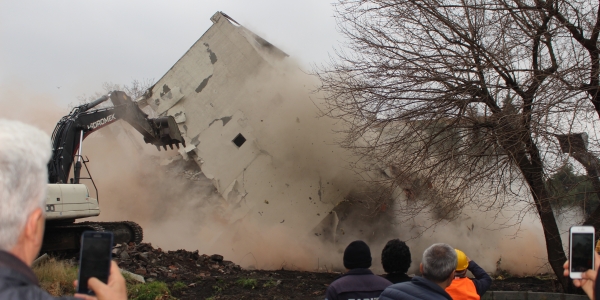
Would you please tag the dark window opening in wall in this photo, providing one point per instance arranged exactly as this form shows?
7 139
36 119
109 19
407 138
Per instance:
239 140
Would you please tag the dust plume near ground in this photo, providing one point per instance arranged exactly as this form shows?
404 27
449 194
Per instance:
179 208
176 212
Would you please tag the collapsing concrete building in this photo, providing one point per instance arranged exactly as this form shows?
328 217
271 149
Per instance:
260 148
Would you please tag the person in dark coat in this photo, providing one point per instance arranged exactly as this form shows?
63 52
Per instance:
466 288
437 267
396 260
359 282
24 153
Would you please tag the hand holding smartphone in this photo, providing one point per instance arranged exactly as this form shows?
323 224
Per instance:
581 250
94 259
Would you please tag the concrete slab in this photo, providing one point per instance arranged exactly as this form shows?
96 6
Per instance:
242 129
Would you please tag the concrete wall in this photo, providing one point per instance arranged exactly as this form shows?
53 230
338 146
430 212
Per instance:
214 95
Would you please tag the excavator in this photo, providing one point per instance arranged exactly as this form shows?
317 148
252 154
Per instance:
67 199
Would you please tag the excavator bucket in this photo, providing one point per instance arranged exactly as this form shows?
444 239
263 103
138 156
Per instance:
160 132
167 133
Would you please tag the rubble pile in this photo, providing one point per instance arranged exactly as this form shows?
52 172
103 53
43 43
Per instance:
156 264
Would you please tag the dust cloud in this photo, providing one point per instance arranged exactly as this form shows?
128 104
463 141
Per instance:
179 208
179 212
40 110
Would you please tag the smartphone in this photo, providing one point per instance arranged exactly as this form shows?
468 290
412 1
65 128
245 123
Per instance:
581 250
94 259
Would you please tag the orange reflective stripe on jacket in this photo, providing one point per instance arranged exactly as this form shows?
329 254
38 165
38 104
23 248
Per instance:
462 288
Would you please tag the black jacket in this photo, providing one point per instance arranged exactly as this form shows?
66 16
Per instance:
417 288
357 284
396 277
482 280
17 281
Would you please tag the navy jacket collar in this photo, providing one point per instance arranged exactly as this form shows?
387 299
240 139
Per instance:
430 285
9 261
359 271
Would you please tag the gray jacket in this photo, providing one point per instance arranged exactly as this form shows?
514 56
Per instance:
17 281
416 289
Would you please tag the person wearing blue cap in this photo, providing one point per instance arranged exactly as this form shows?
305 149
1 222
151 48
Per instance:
359 282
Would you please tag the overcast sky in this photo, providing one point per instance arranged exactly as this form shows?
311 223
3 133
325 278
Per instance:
66 48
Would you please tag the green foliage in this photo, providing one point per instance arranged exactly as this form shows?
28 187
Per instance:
248 283
270 283
177 286
56 277
148 291
570 190
220 286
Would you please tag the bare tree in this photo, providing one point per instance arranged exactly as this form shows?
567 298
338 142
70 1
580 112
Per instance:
580 22
135 89
467 94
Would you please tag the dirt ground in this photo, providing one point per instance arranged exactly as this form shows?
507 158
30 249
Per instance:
194 276
308 285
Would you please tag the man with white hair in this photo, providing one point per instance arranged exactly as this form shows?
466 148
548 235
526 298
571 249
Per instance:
24 155
438 267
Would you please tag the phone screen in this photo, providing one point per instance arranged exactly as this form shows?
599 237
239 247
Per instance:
94 260
582 251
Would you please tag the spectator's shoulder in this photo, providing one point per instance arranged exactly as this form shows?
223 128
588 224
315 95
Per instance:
397 291
28 292
331 293
339 280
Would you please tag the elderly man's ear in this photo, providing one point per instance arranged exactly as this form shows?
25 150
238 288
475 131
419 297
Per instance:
32 235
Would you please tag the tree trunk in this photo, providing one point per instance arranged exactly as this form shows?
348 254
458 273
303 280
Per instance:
533 173
517 141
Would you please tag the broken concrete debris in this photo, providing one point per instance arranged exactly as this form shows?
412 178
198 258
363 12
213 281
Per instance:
153 263
133 276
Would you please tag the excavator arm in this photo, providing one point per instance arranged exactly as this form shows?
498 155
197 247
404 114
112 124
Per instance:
72 129
66 202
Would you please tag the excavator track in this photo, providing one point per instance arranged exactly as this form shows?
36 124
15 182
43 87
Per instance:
124 231
66 236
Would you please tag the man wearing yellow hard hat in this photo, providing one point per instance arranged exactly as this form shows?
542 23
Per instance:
463 287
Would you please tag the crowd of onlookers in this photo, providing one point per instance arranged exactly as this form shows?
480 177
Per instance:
443 272
24 154
443 268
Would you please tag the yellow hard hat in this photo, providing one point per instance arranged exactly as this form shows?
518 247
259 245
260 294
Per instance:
462 261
